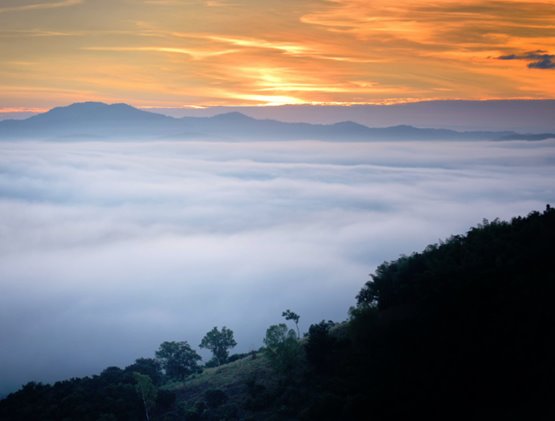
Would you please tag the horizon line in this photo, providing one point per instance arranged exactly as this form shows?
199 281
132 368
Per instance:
39 110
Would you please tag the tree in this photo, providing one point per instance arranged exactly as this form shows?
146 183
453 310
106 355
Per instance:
148 366
289 315
219 342
146 391
282 347
177 359
276 335
321 347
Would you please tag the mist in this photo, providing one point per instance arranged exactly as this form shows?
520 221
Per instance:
108 248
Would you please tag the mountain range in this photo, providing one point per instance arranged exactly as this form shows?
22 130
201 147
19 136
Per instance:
524 116
96 120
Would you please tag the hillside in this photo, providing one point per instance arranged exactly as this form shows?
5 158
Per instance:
464 329
244 386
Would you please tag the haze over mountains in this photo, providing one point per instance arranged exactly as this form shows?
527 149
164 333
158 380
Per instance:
95 120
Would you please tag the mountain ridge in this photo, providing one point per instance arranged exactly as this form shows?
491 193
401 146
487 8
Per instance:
534 116
100 120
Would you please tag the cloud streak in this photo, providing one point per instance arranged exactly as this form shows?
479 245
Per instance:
194 54
40 6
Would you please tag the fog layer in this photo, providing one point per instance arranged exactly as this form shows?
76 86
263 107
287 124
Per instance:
108 249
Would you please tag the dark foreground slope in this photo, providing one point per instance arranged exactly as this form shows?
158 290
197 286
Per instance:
462 330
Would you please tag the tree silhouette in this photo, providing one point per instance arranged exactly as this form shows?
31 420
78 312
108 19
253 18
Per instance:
219 342
289 315
178 359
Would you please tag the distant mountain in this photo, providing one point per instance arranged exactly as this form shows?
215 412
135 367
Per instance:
88 120
96 111
531 116
94 120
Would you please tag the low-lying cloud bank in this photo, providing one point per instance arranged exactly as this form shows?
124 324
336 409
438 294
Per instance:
108 249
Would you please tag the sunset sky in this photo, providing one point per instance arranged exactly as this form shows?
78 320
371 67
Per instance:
184 53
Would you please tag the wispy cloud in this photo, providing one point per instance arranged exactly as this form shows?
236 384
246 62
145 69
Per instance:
35 33
288 48
22 7
22 110
208 3
193 53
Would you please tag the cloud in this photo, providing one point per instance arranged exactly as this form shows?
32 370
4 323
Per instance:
109 248
290 48
35 33
538 59
544 63
207 3
196 54
40 6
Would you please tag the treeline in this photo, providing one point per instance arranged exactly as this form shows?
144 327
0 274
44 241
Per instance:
110 396
464 329
133 393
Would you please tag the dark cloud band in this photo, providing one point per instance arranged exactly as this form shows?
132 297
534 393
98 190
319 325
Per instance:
538 59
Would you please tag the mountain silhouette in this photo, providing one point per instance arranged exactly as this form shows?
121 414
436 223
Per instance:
96 111
96 120
534 116
89 120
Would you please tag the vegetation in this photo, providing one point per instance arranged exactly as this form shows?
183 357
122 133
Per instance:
282 347
112 395
289 315
219 342
464 329
178 359
146 391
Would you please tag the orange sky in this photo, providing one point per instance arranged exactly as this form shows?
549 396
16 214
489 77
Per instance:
181 53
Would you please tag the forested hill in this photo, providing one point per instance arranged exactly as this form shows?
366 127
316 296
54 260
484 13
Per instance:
464 329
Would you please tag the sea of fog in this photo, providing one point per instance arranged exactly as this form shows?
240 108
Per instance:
109 248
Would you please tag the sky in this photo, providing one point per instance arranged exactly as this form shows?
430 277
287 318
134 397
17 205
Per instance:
109 248
195 53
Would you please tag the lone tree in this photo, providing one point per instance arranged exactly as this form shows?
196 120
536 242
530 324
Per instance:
289 315
178 359
219 342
